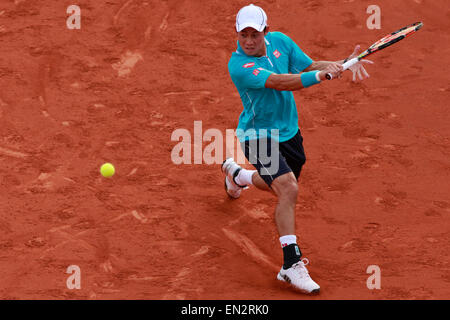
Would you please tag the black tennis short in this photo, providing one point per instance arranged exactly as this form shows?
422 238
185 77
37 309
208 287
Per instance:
273 159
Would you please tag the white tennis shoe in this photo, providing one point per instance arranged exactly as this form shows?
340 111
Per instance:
298 276
231 169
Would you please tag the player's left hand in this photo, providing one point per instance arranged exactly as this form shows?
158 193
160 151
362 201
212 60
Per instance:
358 68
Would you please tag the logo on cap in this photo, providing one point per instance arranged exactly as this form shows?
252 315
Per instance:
249 65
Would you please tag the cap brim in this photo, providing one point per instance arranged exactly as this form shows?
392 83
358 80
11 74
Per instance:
258 27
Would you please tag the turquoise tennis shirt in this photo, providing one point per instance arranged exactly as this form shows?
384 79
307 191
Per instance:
266 109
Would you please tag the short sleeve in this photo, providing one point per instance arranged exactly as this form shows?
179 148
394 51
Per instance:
248 75
298 60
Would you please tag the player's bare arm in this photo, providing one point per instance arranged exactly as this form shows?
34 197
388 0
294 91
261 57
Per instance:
357 69
322 65
293 82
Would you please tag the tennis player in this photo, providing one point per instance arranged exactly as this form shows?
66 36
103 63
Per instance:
266 68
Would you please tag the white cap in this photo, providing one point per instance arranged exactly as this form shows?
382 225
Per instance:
251 16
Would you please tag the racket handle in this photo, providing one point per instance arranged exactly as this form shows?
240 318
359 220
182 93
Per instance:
345 66
350 63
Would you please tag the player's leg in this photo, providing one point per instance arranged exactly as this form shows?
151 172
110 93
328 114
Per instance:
280 178
238 178
252 177
285 186
275 173
259 183
286 189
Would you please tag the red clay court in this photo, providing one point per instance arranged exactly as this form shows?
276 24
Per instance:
374 190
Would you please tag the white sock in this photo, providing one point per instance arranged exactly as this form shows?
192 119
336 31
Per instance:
244 178
287 240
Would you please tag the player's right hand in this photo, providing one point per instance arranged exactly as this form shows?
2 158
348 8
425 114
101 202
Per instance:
358 68
334 68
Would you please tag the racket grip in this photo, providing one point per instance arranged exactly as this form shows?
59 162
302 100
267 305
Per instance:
345 66
350 63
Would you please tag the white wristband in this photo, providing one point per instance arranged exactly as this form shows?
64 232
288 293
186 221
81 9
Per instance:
317 76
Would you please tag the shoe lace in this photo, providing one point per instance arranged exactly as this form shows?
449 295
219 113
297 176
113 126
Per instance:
301 269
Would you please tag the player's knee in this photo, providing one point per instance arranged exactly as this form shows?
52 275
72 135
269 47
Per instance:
288 189
292 189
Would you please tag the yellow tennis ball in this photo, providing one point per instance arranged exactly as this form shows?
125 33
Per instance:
107 170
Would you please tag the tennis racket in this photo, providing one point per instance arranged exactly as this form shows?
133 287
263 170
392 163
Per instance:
385 42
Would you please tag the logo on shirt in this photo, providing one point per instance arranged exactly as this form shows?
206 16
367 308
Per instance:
249 65
256 72
277 54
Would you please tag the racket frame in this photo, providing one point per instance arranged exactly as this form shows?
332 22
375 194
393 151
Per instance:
417 26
